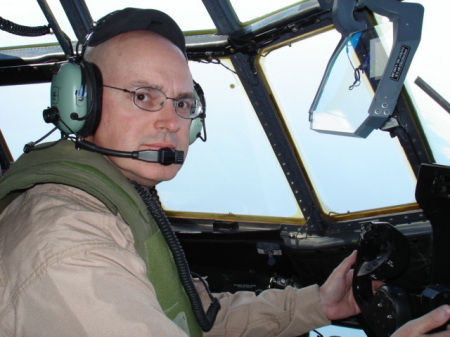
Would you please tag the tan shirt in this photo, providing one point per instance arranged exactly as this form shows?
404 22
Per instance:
68 267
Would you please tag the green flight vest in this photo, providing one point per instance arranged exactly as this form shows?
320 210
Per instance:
94 174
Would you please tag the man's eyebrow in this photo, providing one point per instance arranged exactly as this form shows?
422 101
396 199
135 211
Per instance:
186 94
144 84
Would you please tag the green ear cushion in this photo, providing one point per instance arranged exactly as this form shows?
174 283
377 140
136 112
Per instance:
196 129
76 92
64 89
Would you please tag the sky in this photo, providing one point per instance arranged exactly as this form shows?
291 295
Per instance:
338 331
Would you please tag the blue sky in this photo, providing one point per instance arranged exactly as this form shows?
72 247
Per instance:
335 331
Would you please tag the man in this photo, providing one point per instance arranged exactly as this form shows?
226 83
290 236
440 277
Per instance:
80 255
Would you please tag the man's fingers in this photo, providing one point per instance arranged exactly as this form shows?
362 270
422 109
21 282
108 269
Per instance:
426 323
435 319
346 264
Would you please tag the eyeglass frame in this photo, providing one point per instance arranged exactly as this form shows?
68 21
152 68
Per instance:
198 103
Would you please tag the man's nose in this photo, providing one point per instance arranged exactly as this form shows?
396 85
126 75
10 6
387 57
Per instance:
167 117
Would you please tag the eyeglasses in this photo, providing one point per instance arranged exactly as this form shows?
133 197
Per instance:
151 99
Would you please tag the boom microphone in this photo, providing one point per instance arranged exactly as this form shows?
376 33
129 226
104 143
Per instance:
163 156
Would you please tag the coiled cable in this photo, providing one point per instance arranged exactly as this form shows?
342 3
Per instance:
17 29
205 320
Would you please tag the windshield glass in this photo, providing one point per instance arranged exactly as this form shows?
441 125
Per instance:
237 172
343 169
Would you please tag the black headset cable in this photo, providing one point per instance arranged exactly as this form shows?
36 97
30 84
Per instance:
205 320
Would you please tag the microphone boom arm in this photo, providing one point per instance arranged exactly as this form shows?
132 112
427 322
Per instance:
163 156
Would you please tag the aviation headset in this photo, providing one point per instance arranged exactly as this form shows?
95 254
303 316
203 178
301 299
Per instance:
76 88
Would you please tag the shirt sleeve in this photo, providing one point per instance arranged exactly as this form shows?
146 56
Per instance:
274 312
94 293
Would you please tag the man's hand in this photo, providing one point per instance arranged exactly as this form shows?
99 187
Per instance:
336 293
420 326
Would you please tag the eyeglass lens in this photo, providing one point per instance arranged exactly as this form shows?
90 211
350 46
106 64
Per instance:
152 99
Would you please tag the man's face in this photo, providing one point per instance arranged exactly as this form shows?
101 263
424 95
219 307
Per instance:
130 61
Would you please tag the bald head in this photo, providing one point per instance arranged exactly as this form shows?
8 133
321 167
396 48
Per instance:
119 44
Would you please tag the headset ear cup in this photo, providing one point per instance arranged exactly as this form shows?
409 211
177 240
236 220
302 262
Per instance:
196 129
76 94
94 91
64 99
198 123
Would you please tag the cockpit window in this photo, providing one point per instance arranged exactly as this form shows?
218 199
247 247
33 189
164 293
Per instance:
236 172
28 13
247 11
236 163
346 172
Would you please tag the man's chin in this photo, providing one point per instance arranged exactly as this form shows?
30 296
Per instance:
151 174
